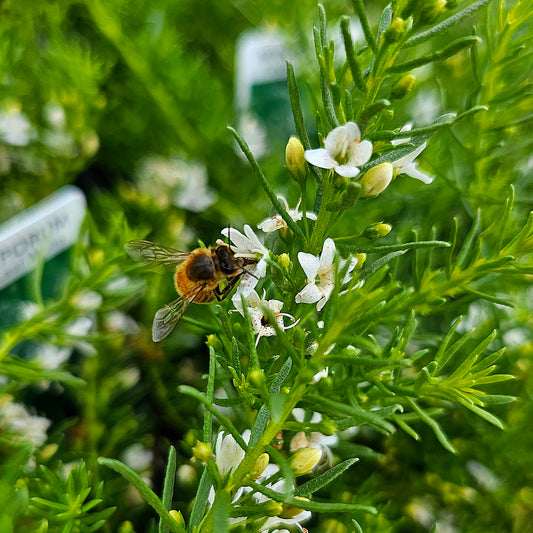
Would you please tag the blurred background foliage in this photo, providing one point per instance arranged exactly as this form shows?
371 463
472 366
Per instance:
125 100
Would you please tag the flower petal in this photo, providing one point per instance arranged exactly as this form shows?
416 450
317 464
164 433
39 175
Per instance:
347 171
320 158
410 157
361 153
271 224
412 170
308 295
235 236
310 264
341 137
328 253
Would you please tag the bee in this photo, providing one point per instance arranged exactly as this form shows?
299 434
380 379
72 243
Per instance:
197 279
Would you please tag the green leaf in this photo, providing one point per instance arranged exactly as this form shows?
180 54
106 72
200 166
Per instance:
266 185
168 485
210 392
446 24
221 508
370 249
378 263
448 51
434 425
19 369
200 501
355 69
323 479
149 496
224 420
359 8
337 408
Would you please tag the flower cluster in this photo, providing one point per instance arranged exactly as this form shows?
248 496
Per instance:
345 152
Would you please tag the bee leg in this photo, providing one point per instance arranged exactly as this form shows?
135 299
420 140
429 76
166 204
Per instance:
221 294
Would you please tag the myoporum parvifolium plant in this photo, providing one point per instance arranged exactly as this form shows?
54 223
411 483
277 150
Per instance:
357 328
314 345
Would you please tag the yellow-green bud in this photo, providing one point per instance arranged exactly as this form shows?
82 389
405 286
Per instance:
260 465
430 10
284 261
375 231
290 511
295 158
376 180
202 451
272 508
361 258
304 460
212 340
48 451
176 515
394 32
126 527
257 377
402 86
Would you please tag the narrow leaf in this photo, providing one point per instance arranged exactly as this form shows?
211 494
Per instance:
323 479
378 263
360 9
200 501
168 485
221 507
448 51
149 496
355 69
446 24
266 186
434 425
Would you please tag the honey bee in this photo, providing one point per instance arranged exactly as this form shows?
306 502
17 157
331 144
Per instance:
197 278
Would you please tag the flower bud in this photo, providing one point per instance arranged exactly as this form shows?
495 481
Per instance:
177 516
295 159
402 86
257 377
212 340
304 460
376 180
260 465
272 508
375 231
284 261
290 511
394 32
361 258
430 10
202 451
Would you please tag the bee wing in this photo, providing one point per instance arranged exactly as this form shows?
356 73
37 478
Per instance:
169 316
152 254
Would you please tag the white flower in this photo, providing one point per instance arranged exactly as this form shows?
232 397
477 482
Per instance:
402 140
15 419
137 457
343 151
258 317
279 486
228 453
228 456
318 269
408 165
314 439
250 247
276 222
15 127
